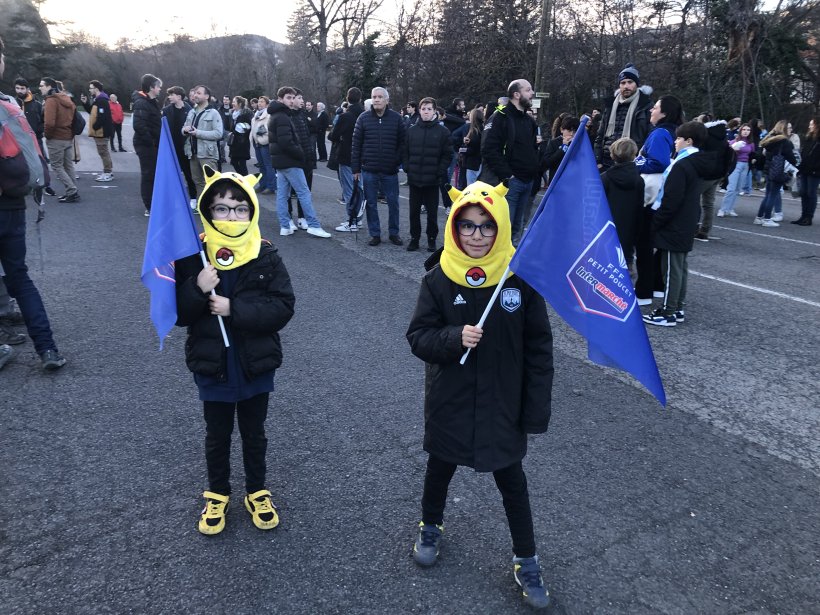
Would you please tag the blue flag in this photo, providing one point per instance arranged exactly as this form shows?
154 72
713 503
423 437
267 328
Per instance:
571 255
172 235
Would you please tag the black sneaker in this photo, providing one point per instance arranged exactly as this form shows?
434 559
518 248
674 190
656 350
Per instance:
49 191
10 336
374 241
413 245
396 240
431 245
426 549
660 318
52 360
6 353
13 317
679 316
527 572
701 236
69 198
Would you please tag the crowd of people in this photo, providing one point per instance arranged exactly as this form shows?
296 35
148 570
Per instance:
661 175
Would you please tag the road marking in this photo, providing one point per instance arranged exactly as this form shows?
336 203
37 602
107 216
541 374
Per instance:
737 230
765 291
336 179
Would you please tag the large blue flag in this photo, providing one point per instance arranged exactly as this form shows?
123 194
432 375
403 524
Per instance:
571 255
171 235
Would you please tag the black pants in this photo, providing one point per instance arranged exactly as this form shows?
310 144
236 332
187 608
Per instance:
250 414
148 163
118 133
240 165
511 482
427 196
648 265
322 146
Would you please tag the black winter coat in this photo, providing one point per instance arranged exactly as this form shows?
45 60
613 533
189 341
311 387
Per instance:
285 149
377 143
479 414
810 157
147 120
33 109
721 158
519 158
675 222
640 125
342 133
552 156
262 303
624 188
427 154
240 147
176 120
301 123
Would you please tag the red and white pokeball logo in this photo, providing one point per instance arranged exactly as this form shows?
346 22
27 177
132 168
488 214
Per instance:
224 257
475 276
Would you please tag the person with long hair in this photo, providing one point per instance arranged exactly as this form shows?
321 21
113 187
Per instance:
744 148
472 141
776 143
261 143
809 173
239 146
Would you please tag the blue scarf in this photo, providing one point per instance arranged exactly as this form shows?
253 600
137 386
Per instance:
681 155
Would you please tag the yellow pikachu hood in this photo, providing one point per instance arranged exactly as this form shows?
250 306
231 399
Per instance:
486 271
230 243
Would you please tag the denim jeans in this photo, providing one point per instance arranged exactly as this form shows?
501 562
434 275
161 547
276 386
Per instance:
472 176
746 180
286 179
19 285
518 199
389 186
771 200
808 195
733 186
268 181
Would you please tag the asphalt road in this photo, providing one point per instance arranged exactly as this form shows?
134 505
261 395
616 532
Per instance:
708 506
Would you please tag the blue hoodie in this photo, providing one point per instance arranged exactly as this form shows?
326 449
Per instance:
656 153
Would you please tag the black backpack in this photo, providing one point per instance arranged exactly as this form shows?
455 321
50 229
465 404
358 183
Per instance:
777 169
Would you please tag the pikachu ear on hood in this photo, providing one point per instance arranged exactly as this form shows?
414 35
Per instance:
503 187
455 193
210 172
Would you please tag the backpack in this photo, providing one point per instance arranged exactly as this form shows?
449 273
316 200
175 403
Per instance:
22 165
777 169
78 123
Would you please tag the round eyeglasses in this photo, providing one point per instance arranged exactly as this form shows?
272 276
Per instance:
467 228
221 212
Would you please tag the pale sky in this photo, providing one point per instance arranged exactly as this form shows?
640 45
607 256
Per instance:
148 21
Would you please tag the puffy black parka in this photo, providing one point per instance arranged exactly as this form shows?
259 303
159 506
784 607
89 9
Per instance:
342 133
301 123
479 414
377 143
427 154
147 119
262 303
285 149
624 190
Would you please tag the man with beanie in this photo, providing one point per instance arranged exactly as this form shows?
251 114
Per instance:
626 116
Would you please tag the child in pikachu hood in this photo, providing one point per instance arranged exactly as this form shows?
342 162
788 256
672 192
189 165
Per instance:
255 298
479 414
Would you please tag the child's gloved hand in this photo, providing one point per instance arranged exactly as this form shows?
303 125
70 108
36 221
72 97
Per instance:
470 336
207 279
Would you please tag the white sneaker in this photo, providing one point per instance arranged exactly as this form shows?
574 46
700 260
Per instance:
644 301
769 223
658 294
302 224
722 190
104 177
732 214
317 232
285 231
346 227
193 204
777 217
742 193
721 213
758 220
293 227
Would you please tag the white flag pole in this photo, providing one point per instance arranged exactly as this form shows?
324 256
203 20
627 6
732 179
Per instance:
487 309
213 293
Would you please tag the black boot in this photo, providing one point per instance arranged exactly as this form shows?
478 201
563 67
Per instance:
431 244
413 245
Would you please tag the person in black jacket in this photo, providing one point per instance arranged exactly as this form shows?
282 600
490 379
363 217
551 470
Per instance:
342 138
288 158
425 159
509 151
255 301
479 414
378 139
776 145
809 173
322 124
303 119
239 148
722 161
624 190
552 152
678 209
147 122
176 112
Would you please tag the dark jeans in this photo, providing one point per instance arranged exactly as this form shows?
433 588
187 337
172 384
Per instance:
118 134
250 414
808 195
148 166
427 196
512 484
321 146
771 200
389 185
18 284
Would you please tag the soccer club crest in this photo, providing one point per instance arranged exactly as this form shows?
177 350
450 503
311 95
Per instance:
510 299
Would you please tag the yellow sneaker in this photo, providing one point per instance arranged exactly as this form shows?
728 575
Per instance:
262 510
212 520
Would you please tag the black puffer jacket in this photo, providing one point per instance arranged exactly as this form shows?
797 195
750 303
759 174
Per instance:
427 154
378 143
623 186
147 120
285 150
262 303
810 157
505 159
479 414
301 123
240 147
718 156
674 224
342 132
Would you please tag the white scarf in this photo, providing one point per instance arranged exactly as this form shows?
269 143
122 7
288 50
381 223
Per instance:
681 155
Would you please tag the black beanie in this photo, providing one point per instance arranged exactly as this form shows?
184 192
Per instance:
630 72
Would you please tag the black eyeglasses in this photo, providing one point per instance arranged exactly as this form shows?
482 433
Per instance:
223 211
467 228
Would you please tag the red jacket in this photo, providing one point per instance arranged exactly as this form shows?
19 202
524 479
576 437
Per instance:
116 112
